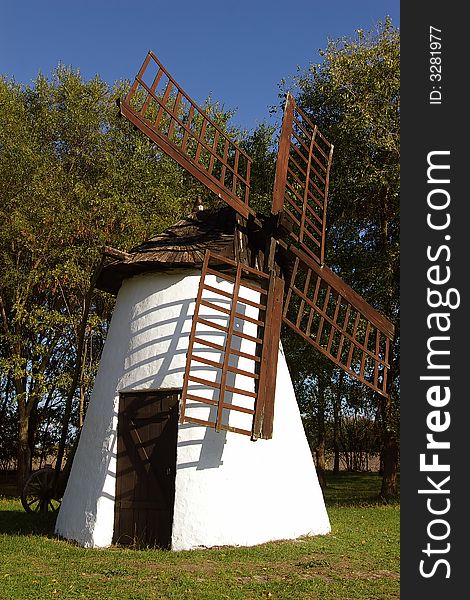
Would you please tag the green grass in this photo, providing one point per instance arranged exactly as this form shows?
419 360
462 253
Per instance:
347 489
358 560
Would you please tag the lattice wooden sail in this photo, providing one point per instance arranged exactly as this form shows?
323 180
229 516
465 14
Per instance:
302 179
160 108
336 320
229 335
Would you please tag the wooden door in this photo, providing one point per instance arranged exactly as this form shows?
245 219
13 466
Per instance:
146 468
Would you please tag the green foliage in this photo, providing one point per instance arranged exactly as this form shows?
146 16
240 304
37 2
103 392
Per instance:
354 97
259 144
74 176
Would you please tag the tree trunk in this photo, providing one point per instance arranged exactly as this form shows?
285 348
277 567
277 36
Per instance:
24 451
390 448
336 448
389 489
33 423
336 425
320 448
320 461
81 407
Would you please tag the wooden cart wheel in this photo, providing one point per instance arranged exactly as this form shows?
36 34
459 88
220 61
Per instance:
38 493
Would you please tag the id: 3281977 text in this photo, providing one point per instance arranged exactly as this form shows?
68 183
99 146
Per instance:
435 65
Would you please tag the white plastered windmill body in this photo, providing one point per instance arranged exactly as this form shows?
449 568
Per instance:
193 437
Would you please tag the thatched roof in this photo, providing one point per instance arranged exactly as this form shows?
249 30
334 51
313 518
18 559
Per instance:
181 245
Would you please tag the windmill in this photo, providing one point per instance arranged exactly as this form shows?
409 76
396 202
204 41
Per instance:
221 367
315 302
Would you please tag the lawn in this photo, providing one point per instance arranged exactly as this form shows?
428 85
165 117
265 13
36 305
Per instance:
359 559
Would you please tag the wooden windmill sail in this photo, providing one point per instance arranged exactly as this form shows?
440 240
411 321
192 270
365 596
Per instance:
284 267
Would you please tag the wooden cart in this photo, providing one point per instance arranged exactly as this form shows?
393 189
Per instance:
40 493
44 488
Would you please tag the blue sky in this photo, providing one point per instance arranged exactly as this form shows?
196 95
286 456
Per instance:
235 51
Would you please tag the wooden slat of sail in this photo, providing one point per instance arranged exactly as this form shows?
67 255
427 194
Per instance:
227 300
264 415
302 179
159 107
336 320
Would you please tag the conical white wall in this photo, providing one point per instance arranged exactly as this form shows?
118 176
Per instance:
229 490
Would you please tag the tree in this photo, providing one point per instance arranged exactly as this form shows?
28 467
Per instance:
260 145
354 97
74 176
